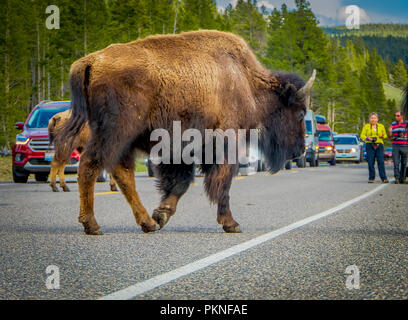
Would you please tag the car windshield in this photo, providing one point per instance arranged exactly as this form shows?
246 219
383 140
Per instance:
345 140
324 136
41 116
308 124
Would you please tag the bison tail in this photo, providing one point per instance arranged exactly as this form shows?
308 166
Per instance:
51 133
79 81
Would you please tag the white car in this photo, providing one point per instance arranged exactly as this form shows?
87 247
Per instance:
348 148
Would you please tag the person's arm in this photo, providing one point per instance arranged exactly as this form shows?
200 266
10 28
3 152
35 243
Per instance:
384 133
363 135
390 131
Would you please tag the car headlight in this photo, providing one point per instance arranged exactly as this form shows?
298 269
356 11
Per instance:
329 148
21 139
353 150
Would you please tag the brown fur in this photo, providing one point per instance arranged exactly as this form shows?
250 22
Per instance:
63 153
206 80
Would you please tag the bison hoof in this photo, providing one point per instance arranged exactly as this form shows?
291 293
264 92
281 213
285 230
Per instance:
113 188
162 216
94 232
146 228
92 228
66 189
232 229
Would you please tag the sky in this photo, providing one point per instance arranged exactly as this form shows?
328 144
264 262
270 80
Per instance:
332 12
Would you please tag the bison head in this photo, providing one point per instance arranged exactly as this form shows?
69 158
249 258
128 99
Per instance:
282 136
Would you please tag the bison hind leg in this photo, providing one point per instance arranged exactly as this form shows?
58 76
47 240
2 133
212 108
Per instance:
173 182
217 183
53 175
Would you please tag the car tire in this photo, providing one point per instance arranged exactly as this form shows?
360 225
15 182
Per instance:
288 165
333 162
313 161
103 176
19 177
301 162
41 177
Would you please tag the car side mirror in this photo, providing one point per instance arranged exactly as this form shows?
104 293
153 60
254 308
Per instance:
19 125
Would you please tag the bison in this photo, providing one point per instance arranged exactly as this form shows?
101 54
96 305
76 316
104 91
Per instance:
62 153
205 80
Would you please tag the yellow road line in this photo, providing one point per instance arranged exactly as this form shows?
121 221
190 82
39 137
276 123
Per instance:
102 193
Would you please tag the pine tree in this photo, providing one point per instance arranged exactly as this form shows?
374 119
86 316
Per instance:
399 75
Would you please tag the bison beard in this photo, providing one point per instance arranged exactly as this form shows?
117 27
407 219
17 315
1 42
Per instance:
206 80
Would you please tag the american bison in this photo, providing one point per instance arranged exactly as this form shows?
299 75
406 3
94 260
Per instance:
205 80
62 153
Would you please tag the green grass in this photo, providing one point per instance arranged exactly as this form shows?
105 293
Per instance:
140 166
5 169
392 93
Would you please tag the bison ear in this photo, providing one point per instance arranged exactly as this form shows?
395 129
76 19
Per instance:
288 94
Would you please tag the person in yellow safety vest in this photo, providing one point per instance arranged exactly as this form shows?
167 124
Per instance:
373 134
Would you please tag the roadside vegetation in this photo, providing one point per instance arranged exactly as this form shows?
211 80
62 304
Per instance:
5 169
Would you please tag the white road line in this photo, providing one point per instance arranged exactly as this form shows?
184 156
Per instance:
152 283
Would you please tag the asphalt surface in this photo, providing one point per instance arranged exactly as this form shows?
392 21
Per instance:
39 228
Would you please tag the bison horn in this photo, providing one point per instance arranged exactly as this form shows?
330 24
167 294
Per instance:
305 90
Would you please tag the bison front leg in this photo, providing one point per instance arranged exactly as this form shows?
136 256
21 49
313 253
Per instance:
217 183
87 173
174 180
61 176
53 175
125 179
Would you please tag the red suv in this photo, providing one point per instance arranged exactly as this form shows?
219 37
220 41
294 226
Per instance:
31 150
327 150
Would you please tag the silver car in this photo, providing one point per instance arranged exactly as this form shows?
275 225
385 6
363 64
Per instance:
348 148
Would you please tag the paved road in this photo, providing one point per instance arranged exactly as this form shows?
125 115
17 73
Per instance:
39 228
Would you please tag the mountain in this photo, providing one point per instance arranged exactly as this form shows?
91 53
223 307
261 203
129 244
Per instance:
390 40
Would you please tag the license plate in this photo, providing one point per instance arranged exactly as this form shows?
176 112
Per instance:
49 155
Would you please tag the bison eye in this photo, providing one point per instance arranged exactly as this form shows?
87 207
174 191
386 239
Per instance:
300 115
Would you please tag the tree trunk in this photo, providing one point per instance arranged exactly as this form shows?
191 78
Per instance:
85 39
6 80
62 80
38 64
175 19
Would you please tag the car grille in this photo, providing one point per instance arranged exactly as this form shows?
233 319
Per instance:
343 150
43 162
40 144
